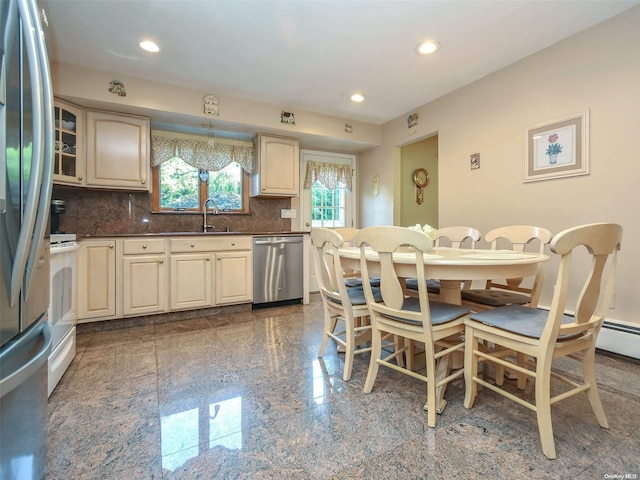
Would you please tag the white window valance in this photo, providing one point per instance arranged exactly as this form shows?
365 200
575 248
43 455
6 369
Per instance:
199 153
328 174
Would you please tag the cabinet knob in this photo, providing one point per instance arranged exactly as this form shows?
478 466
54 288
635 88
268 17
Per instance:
79 178
143 182
233 244
111 245
208 259
219 258
144 246
193 245
162 260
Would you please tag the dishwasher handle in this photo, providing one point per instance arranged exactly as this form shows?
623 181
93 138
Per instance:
278 242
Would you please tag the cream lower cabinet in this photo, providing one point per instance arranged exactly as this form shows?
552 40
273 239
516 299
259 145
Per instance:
97 280
144 276
208 271
234 277
191 281
147 275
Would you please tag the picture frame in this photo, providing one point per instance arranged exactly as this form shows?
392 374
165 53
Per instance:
557 149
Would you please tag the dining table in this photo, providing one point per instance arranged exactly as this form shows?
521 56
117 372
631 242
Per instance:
452 267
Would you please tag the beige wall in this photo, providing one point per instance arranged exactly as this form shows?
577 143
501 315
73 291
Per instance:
422 154
596 70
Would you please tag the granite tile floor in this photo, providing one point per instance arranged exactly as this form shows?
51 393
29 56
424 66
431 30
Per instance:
244 396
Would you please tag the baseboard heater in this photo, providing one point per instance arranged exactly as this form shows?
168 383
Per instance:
620 337
616 336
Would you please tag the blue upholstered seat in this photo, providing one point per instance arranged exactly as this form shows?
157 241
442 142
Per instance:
526 321
495 297
433 286
440 312
356 296
355 282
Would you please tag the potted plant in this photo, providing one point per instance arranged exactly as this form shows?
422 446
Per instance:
553 149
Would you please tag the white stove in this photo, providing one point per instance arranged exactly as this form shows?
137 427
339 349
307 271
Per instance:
62 311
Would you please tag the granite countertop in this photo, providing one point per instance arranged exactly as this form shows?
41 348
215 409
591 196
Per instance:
185 234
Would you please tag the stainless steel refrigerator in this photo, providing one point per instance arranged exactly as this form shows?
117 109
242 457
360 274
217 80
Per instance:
26 141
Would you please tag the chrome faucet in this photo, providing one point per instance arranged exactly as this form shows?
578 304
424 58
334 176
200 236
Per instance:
204 208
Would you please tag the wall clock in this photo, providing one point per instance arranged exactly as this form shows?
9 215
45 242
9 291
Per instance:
421 179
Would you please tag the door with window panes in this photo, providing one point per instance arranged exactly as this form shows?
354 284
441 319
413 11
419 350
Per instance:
322 207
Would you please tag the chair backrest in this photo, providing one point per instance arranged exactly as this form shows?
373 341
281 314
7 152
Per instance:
602 242
325 243
385 240
457 235
347 233
519 236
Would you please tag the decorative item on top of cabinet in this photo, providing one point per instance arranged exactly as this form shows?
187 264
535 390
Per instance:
278 164
118 151
68 155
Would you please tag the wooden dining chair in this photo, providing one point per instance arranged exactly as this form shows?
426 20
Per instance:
500 292
439 326
454 237
340 303
544 336
352 277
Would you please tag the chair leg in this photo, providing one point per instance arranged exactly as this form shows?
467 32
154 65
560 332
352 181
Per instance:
522 361
376 351
432 400
329 325
350 348
543 408
470 367
589 373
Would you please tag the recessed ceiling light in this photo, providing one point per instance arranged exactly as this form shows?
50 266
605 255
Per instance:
357 97
150 46
425 48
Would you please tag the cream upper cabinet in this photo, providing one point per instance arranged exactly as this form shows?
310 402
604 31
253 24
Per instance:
144 276
97 280
234 277
68 154
278 164
118 149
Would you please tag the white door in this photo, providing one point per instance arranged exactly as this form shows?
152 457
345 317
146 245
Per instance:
330 209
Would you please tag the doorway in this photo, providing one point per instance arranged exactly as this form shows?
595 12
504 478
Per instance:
421 154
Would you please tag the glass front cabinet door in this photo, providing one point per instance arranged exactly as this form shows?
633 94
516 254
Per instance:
69 144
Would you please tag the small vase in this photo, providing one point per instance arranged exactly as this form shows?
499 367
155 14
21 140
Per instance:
553 158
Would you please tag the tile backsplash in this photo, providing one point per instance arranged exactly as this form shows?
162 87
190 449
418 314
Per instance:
104 212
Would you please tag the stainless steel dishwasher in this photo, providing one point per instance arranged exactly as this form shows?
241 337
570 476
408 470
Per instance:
277 269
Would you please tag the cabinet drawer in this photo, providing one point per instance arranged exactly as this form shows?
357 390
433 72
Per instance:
200 244
137 246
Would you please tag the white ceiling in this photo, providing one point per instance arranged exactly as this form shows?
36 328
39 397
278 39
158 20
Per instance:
311 55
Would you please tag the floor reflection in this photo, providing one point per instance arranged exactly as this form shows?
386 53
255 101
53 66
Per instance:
186 434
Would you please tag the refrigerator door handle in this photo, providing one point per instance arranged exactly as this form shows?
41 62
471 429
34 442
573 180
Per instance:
35 179
3 128
47 158
15 378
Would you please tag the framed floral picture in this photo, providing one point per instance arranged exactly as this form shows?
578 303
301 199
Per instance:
557 149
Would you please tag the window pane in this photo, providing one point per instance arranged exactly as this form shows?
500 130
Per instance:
328 207
178 185
225 187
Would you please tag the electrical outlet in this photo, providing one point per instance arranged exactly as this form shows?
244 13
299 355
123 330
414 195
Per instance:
287 213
